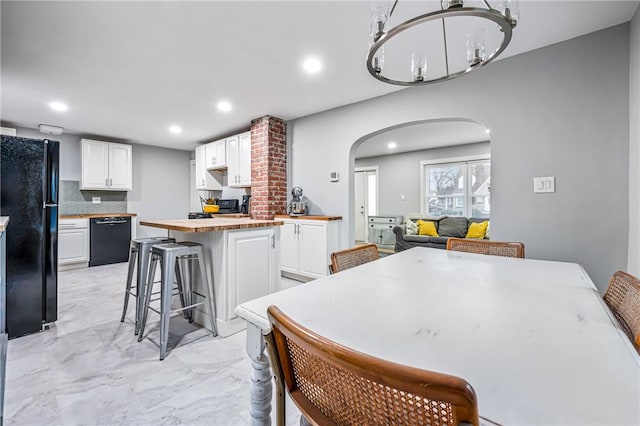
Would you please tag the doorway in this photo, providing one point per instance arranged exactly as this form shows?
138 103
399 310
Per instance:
366 199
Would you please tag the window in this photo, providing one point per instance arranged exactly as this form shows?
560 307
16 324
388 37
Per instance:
459 188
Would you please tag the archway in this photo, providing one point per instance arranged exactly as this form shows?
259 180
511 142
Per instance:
400 155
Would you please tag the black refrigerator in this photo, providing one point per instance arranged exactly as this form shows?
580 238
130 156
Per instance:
29 196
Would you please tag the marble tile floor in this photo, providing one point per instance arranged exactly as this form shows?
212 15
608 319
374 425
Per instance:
88 369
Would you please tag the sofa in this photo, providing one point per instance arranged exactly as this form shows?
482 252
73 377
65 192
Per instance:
447 227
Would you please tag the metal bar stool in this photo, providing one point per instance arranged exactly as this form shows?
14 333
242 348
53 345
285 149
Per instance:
170 256
140 250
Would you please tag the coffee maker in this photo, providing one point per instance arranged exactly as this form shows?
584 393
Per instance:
298 205
244 207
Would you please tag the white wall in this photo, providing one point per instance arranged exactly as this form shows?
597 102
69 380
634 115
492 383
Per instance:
399 174
634 146
160 186
558 111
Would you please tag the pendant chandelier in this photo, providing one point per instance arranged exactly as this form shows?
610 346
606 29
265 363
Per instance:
455 33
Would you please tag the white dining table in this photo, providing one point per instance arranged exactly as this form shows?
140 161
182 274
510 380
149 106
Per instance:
533 337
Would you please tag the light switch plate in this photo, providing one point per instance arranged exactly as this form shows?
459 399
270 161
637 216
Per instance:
544 184
96 200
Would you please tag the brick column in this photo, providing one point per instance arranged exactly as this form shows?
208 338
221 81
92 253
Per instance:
268 167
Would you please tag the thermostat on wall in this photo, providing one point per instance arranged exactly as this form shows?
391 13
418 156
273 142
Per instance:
335 176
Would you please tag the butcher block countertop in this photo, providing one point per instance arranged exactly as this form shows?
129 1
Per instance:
4 220
307 217
209 225
92 215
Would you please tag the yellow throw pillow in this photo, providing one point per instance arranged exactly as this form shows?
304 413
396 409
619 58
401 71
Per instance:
426 227
477 230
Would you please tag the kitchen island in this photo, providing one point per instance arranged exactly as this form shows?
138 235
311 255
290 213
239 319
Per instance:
242 257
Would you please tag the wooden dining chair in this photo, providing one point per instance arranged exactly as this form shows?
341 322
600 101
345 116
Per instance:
495 248
351 257
623 298
332 384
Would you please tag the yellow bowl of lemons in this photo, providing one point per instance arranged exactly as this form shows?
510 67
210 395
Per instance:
210 208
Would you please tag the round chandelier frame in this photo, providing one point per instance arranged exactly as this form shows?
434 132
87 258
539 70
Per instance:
504 23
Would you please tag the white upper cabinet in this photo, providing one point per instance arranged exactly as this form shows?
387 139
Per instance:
216 155
239 159
206 180
120 167
106 166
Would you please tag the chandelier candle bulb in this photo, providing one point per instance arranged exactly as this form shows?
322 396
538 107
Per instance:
475 48
377 66
451 4
380 17
418 66
510 10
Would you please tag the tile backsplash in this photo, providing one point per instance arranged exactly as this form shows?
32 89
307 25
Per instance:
74 201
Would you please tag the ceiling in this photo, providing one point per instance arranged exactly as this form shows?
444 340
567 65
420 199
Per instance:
428 135
130 70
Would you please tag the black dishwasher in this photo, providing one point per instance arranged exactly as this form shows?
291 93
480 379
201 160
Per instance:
110 238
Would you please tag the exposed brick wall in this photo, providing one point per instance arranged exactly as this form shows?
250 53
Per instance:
268 167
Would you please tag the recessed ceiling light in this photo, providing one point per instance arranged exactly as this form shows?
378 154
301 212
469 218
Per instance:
175 130
312 65
488 131
58 106
392 145
224 106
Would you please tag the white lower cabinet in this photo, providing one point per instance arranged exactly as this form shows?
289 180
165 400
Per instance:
73 243
307 246
252 271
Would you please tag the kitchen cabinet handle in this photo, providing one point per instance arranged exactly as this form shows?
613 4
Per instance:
106 182
110 182
273 241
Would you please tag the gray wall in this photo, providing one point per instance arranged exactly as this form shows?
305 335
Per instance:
399 174
160 186
160 178
634 146
558 111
